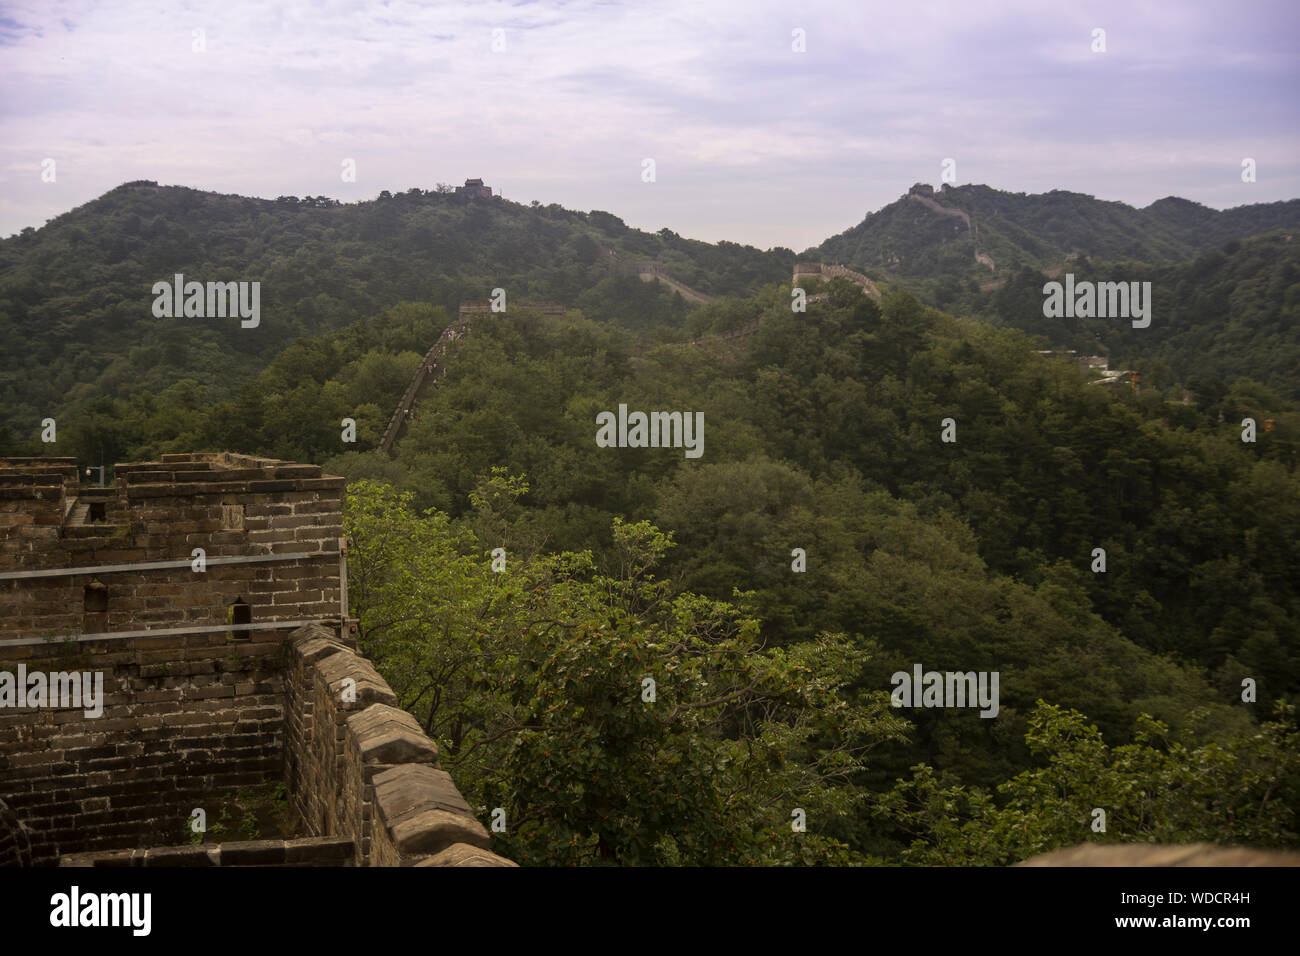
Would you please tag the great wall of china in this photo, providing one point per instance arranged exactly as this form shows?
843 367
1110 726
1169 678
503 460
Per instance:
925 196
648 270
209 591
434 364
807 270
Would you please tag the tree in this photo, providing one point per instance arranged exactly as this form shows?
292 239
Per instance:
1157 789
612 718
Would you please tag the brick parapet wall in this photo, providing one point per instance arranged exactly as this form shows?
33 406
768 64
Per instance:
190 718
186 719
228 505
364 768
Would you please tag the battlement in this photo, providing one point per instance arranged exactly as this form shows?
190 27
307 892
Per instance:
208 593
826 271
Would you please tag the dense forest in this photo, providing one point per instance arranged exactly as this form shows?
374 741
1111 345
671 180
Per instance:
649 658
823 433
75 301
1228 315
1014 229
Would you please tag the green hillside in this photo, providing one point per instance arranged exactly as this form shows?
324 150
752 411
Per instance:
908 239
823 433
75 296
1228 315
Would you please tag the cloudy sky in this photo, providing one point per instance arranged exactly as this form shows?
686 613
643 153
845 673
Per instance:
752 141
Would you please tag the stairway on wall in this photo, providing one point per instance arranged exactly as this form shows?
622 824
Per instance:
432 367
930 203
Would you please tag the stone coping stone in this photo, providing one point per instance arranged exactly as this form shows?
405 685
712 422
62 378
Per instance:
409 789
371 688
302 851
252 853
320 851
317 648
432 831
198 855
107 858
462 854
387 735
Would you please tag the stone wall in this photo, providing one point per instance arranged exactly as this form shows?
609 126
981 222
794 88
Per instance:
186 719
357 766
196 704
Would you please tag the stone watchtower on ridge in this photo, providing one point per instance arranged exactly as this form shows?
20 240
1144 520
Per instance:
475 188
208 592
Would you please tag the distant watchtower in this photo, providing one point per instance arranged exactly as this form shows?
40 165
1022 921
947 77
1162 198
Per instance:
474 187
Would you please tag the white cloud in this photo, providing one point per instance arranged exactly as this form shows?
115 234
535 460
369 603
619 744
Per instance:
735 120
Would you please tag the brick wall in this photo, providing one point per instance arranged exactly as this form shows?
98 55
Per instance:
15 840
357 766
187 718
228 505
190 717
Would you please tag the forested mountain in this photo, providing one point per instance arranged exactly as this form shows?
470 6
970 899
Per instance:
910 238
1224 297
76 319
823 433
1228 315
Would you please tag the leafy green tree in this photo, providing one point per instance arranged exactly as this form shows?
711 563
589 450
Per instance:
1157 789
614 719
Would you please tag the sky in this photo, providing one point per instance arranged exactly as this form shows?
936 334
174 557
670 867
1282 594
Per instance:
752 139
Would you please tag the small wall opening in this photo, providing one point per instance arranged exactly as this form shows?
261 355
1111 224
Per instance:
94 606
240 612
96 598
98 511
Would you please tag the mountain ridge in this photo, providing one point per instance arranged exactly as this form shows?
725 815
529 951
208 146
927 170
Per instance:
1018 229
74 295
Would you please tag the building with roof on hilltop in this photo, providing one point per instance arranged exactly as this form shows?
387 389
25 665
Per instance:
474 187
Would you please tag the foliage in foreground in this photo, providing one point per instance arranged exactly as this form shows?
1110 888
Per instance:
618 719
614 719
1157 789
